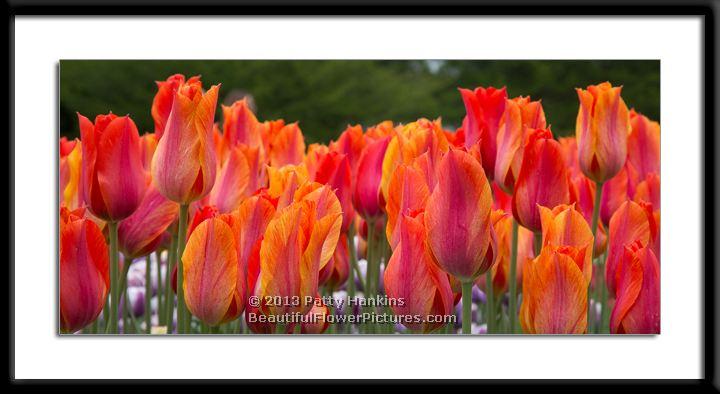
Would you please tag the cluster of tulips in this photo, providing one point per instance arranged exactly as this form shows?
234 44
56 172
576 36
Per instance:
497 224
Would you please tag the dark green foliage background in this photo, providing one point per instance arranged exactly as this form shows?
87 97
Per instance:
326 95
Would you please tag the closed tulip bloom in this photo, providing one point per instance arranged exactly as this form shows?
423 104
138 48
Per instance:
637 297
629 224
84 271
554 292
110 147
520 115
253 217
141 233
232 180
240 126
408 194
163 100
298 243
367 198
644 144
565 226
70 173
602 128
484 107
210 272
333 169
351 143
184 165
287 146
413 276
617 190
457 217
542 181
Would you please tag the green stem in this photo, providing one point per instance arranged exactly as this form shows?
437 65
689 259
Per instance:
467 307
183 314
599 275
159 283
605 316
114 273
512 305
351 276
148 294
370 275
169 296
490 299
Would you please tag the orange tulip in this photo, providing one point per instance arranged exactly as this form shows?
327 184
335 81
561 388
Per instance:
521 114
350 143
367 197
407 195
565 226
184 164
412 275
602 129
232 180
629 224
298 243
457 217
148 144
213 285
287 146
284 181
84 271
484 109
163 101
582 194
113 177
502 225
253 217
644 144
617 190
542 180
554 297
637 305
240 126
649 190
70 169
141 233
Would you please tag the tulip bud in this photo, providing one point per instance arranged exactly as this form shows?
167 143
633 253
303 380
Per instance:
637 297
367 198
163 100
602 129
484 109
629 224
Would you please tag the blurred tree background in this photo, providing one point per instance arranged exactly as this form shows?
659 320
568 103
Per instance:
326 95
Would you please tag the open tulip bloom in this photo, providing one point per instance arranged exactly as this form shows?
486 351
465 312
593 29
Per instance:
234 225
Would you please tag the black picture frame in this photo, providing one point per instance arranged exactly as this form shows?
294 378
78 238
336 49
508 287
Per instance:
705 8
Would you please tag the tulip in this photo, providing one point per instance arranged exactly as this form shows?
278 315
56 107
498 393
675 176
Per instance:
84 271
240 126
502 224
643 145
649 190
521 114
70 168
287 146
582 194
163 100
457 217
565 226
184 164
336 271
484 107
407 195
629 224
110 147
350 143
617 190
298 243
367 198
284 181
413 276
141 233
232 180
333 169
555 292
253 216
602 129
213 287
637 305
542 180
458 222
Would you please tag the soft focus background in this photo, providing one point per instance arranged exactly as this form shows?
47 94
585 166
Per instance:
327 95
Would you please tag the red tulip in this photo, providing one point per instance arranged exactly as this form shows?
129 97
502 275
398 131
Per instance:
333 169
484 109
184 164
542 181
407 195
84 271
163 101
644 145
412 275
240 126
617 190
629 224
367 198
457 218
637 304
649 190
113 177
231 183
602 129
